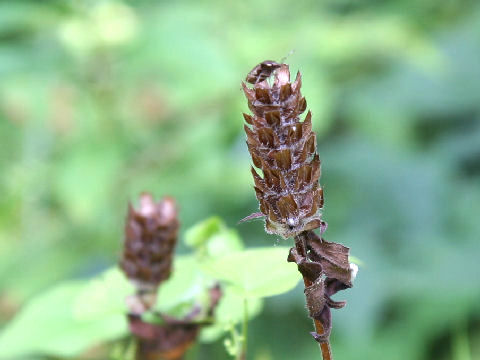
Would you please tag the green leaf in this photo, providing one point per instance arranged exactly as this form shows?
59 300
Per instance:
223 243
212 238
104 294
74 316
199 234
256 273
185 284
48 324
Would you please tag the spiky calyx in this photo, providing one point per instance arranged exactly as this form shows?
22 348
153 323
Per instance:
150 238
284 149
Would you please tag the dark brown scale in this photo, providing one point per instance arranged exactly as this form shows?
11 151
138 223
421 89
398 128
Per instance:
262 71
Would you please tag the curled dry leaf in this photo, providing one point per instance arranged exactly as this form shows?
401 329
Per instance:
325 266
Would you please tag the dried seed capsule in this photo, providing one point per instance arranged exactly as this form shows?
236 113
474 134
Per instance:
150 238
284 148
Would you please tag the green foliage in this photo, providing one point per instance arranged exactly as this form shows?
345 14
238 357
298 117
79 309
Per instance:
49 324
256 273
80 314
90 117
211 238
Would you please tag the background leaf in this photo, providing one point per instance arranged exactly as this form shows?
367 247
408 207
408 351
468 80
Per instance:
49 325
256 273
212 238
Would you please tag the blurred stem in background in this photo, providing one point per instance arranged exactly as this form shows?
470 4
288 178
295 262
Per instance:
460 343
245 329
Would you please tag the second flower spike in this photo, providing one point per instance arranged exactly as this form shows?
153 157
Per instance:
150 238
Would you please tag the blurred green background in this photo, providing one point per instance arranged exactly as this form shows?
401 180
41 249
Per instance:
100 100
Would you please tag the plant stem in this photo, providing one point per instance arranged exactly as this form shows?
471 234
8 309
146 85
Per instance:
245 328
324 346
301 247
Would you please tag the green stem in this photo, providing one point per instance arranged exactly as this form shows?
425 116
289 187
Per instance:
460 343
130 350
245 328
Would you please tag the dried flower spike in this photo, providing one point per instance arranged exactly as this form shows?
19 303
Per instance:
150 238
291 200
284 149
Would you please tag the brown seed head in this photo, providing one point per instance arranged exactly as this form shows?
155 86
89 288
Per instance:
284 148
150 238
